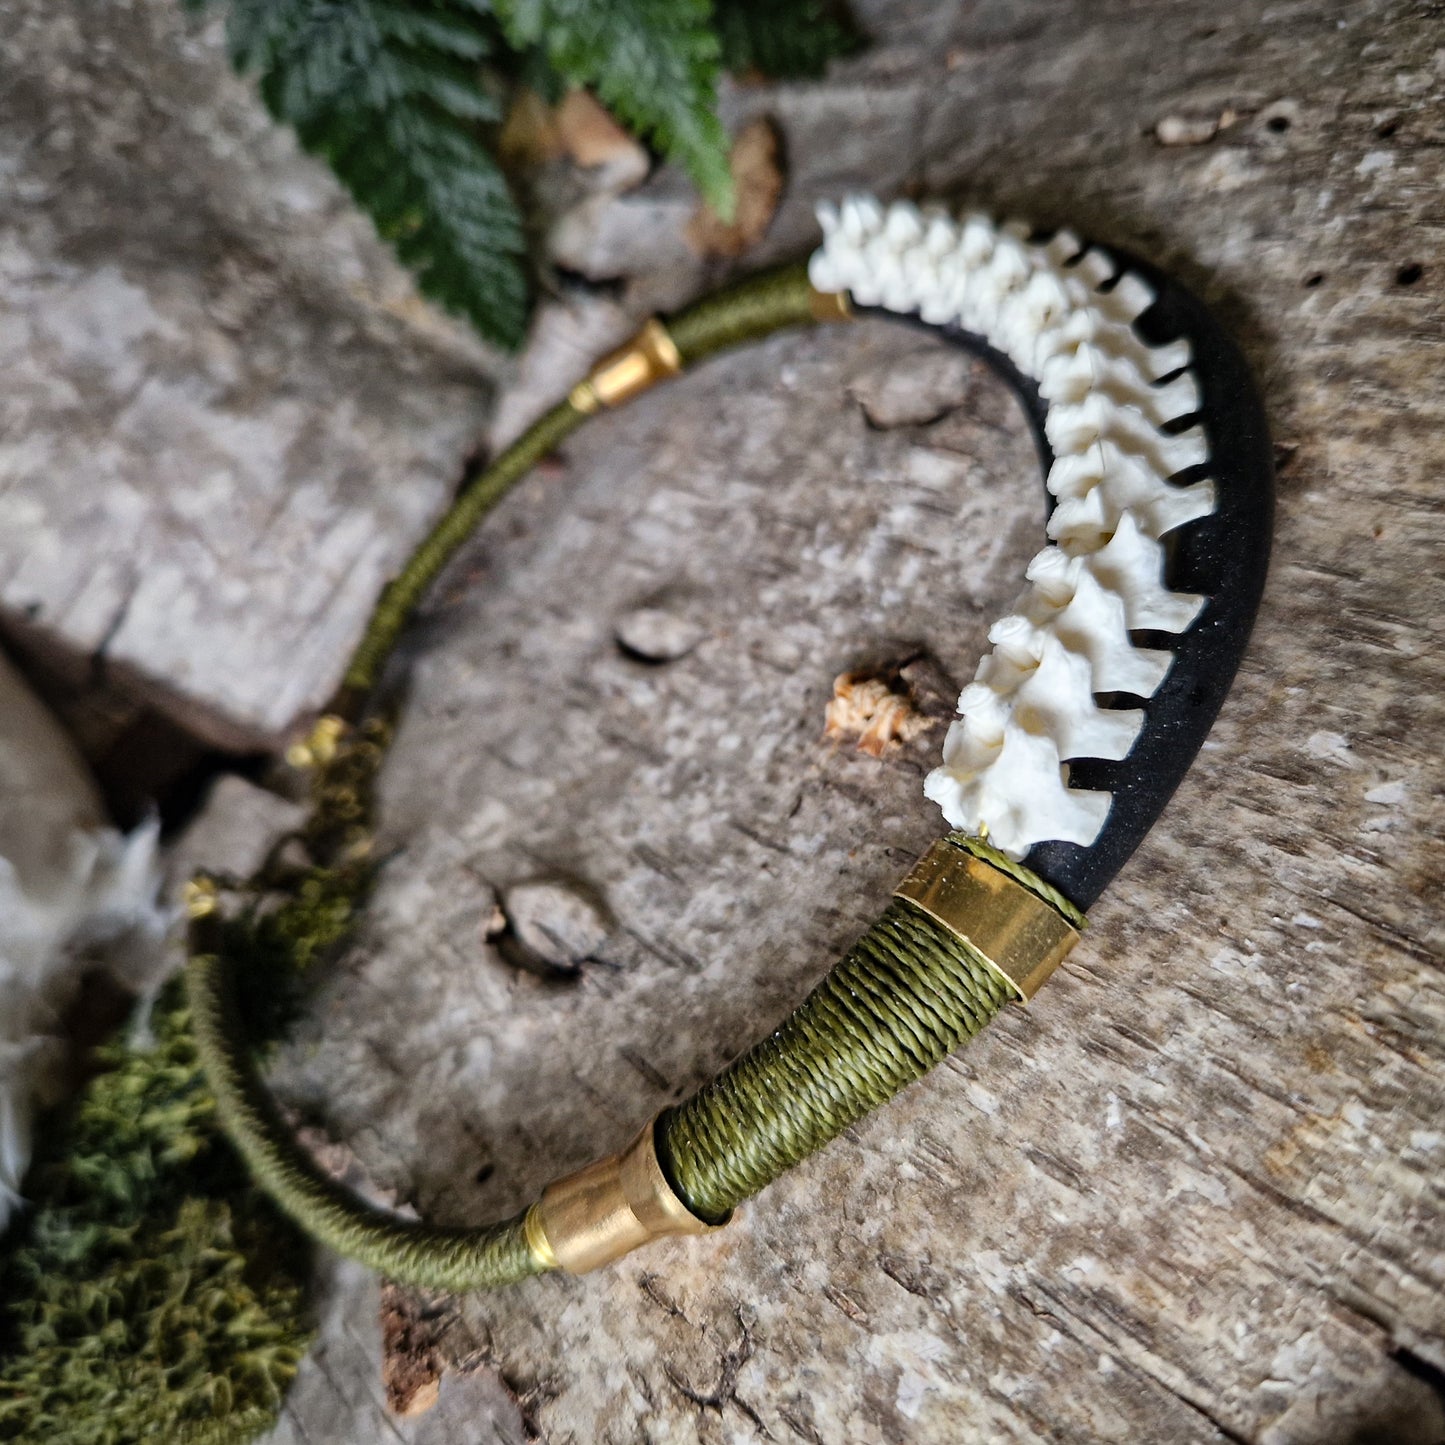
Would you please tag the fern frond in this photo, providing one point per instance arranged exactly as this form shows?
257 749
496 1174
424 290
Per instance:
394 95
795 40
390 94
653 63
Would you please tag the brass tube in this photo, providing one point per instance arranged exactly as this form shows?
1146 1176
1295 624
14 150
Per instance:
608 1209
1022 937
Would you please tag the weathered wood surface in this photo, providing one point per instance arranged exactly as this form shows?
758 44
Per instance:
1194 1193
224 413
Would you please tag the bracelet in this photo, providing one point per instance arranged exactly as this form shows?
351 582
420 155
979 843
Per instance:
1096 694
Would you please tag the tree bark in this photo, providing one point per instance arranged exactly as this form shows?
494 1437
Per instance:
1192 1193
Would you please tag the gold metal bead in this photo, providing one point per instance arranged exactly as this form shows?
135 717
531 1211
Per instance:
608 1209
830 305
200 897
650 357
319 746
1023 938
536 1237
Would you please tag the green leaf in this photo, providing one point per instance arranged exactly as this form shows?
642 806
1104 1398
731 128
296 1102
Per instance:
653 63
390 93
796 39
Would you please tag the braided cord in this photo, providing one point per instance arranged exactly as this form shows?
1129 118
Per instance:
906 994
421 1254
745 312
439 546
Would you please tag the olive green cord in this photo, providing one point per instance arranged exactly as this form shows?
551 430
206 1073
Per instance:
437 549
745 312
908 992
433 1257
906 995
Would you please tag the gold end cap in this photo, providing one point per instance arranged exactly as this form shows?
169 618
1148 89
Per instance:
1023 938
830 305
536 1236
616 1205
650 357
583 398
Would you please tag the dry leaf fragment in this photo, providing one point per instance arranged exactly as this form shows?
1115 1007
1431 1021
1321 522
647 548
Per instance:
530 134
863 706
581 129
756 164
592 138
411 1366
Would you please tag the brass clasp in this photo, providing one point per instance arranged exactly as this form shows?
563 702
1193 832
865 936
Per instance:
608 1209
651 356
1021 936
829 306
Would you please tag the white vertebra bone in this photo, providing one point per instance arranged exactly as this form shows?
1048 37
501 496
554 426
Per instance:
1031 706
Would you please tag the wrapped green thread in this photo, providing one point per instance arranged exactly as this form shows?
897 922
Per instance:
154 1291
906 995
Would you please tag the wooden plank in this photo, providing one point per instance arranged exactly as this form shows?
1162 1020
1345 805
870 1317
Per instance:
1192 1194
225 413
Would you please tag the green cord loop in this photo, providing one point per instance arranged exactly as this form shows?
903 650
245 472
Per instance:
908 992
746 312
430 1256
440 545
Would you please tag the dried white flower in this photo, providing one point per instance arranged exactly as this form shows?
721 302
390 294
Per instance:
74 895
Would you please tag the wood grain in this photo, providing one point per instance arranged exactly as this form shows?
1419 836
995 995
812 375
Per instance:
1193 1194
